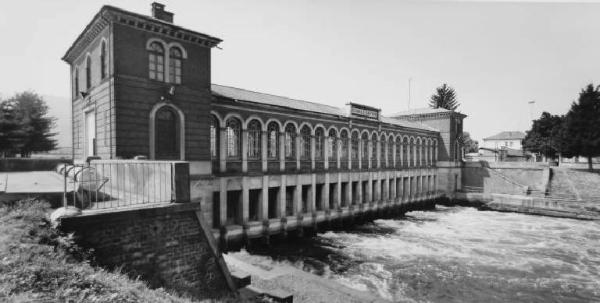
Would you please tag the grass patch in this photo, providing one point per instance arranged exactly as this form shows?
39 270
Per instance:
39 264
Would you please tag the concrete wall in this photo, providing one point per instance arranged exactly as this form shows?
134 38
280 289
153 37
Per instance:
505 177
167 247
28 164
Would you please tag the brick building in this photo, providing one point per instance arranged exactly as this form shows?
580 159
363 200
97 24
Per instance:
142 86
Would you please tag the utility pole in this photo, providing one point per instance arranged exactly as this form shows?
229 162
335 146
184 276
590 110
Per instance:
409 82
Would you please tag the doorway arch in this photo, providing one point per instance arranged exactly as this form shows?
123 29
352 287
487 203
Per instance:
167 132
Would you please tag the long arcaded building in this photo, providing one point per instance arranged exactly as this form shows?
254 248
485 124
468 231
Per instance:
259 163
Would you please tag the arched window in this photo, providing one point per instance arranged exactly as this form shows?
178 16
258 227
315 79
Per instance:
434 151
398 151
382 149
273 140
332 145
234 130
373 150
156 61
175 57
418 152
290 141
305 143
344 144
88 72
405 152
365 149
411 152
390 151
354 146
103 60
254 140
319 141
214 137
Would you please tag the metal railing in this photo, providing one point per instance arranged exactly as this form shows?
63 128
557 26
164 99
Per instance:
104 184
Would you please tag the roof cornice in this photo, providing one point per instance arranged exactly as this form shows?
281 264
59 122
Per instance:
108 14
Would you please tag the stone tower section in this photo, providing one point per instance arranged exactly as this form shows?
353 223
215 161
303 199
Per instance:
141 87
448 123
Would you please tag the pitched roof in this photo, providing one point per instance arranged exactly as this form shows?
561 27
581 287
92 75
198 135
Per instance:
507 135
251 96
421 111
256 97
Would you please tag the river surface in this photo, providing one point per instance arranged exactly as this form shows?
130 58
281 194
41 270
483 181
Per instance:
453 254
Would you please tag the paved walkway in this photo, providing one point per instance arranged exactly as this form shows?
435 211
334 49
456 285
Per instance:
31 182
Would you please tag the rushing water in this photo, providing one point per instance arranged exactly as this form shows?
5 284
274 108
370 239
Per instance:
454 254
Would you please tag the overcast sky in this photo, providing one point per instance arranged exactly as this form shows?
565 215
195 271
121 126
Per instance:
497 55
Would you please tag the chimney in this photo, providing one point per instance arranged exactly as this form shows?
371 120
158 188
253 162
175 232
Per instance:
159 12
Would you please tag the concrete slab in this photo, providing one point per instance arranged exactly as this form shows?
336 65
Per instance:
32 182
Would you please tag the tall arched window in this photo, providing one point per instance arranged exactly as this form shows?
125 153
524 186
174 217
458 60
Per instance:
290 141
354 146
374 150
319 141
411 154
254 140
156 61
405 152
390 151
88 72
418 152
103 61
365 149
398 150
273 140
382 149
434 151
305 143
332 145
344 144
234 130
214 141
175 57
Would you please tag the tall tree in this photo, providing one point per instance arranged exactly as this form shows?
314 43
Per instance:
582 125
471 146
444 97
545 136
25 126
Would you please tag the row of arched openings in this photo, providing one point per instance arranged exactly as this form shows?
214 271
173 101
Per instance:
409 150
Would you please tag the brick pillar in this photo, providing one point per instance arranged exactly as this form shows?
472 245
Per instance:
264 203
263 150
312 194
326 152
282 197
297 142
325 201
245 201
282 151
244 150
297 196
223 150
222 201
312 152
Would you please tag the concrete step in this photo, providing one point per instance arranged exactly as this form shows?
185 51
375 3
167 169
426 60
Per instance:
250 292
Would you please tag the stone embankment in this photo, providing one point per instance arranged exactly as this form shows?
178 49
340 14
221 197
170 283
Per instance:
568 193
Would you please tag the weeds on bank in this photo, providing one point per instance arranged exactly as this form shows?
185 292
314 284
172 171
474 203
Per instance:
38 264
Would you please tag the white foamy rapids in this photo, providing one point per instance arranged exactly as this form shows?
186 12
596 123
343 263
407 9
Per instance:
465 255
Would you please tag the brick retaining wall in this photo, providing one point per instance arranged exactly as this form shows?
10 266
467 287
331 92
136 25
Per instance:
166 246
